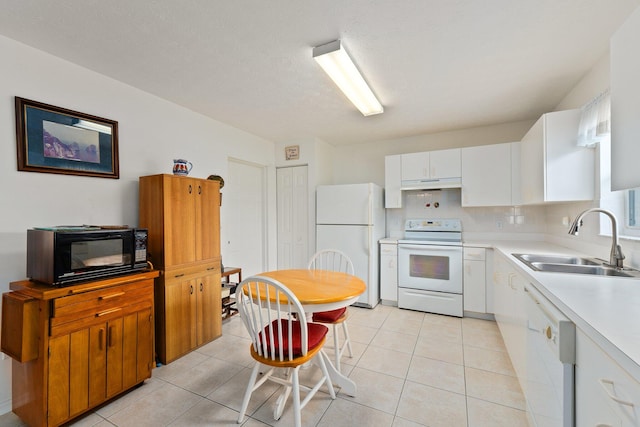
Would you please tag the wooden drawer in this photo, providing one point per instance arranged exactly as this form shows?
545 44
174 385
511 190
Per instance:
83 309
20 326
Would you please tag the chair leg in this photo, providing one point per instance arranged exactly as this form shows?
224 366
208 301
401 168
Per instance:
295 385
248 392
336 347
347 338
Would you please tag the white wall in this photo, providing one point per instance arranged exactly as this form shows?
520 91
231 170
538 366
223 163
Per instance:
152 132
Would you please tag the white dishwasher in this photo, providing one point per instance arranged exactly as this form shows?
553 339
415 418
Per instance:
551 356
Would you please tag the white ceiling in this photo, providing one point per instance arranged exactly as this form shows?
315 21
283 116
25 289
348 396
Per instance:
436 65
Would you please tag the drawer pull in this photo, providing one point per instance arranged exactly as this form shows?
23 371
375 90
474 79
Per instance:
117 294
104 313
604 381
211 268
179 275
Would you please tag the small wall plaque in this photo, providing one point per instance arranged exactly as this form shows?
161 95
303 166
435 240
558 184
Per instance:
292 152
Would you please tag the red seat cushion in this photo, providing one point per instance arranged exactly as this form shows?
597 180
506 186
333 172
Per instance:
329 316
315 335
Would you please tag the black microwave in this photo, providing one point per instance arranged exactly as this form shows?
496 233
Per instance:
62 256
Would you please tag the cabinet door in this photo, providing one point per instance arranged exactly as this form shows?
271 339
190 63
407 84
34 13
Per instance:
444 163
209 320
179 220
532 164
180 317
97 363
474 286
115 351
486 175
389 273
625 104
392 181
58 381
415 166
207 220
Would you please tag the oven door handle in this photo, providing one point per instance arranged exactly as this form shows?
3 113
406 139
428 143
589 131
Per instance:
430 248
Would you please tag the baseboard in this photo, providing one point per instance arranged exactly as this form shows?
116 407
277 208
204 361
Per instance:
5 407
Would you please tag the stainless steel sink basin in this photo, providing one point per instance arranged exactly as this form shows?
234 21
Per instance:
556 259
573 264
596 270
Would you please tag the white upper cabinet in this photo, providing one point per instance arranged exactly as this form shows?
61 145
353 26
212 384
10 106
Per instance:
553 168
488 173
625 105
392 181
431 166
415 166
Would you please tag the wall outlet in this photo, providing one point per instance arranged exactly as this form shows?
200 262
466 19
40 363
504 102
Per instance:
565 221
2 356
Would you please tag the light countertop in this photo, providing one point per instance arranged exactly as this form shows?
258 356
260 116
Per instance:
607 309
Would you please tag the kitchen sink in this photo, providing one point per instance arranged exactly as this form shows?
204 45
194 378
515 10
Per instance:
556 259
574 264
596 270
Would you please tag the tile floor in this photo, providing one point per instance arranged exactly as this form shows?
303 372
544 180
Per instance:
411 368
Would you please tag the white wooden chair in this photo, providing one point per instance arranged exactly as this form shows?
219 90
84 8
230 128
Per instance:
334 260
281 338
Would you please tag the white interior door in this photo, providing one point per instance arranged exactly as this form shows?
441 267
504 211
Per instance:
293 217
243 218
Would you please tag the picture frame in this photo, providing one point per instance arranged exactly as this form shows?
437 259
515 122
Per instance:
292 152
56 140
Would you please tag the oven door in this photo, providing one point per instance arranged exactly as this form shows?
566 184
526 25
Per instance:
430 267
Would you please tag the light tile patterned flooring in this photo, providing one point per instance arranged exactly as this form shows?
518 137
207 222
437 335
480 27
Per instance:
411 369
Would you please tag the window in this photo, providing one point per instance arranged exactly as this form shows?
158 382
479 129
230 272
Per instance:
631 226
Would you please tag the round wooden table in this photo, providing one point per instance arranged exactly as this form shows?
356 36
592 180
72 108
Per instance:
322 290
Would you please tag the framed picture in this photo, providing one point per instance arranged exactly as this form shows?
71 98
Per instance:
292 152
56 140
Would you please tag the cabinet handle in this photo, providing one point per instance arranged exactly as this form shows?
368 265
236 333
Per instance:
101 338
117 294
110 335
179 275
211 268
191 290
199 189
201 287
604 381
190 189
104 313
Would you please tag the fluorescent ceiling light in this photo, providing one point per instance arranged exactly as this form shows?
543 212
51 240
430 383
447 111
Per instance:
335 61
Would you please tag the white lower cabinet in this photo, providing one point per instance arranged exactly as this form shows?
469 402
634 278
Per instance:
474 280
389 273
510 312
605 394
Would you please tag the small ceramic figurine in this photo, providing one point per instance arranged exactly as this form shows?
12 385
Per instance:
181 167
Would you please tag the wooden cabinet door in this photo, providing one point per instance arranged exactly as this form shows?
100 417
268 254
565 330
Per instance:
207 219
97 363
179 220
58 381
209 320
115 348
180 317
143 354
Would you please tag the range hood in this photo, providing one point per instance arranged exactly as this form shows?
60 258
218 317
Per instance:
431 184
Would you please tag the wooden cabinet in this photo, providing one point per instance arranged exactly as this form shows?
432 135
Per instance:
625 105
553 168
490 175
95 340
192 311
392 181
182 215
183 218
431 165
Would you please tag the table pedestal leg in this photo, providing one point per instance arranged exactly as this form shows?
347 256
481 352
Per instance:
337 378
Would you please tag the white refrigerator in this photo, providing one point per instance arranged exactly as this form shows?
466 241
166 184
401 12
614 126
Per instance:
351 219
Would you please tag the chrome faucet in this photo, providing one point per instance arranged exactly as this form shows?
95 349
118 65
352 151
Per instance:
616 258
